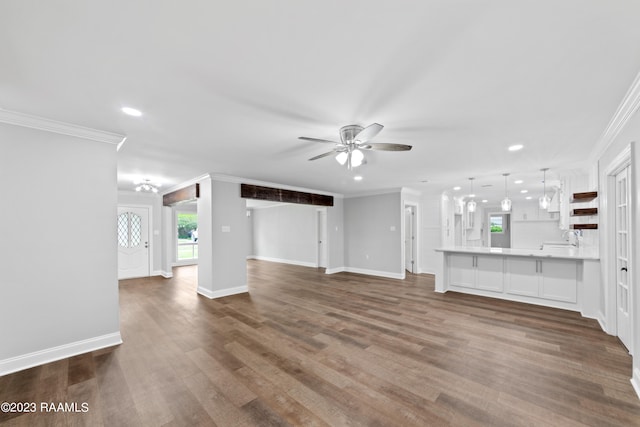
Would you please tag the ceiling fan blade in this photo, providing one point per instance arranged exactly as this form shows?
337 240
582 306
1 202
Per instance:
326 141
369 132
386 147
322 155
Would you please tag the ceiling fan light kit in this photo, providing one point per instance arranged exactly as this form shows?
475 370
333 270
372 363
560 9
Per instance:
354 139
146 185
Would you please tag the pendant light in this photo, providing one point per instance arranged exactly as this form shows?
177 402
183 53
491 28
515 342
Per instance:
544 201
471 206
506 202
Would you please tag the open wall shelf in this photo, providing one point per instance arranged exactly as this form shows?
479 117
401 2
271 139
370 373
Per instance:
584 197
581 198
584 212
584 226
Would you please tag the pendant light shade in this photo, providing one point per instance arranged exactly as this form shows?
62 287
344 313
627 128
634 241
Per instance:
506 202
471 205
353 158
544 200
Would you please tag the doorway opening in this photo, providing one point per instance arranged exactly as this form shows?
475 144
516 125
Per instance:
186 237
499 229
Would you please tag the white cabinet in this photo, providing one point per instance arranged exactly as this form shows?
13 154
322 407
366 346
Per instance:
477 271
559 280
522 277
543 278
462 270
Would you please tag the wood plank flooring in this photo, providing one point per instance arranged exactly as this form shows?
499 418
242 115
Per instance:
309 349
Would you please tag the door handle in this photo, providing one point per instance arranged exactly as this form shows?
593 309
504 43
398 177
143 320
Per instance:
624 269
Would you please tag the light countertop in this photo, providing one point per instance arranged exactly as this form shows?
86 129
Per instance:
564 253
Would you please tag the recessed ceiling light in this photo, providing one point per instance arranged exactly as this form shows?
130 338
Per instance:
485 201
518 181
357 178
131 111
524 191
457 188
528 197
516 147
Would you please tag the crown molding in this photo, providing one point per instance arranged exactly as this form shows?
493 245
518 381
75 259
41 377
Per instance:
40 123
378 192
627 108
410 191
185 184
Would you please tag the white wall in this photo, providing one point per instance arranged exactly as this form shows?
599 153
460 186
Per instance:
431 232
373 239
286 233
223 236
335 236
59 288
532 226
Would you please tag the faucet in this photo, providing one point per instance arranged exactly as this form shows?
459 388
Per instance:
576 234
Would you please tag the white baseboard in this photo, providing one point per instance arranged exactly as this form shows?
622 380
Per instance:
426 272
284 261
222 292
635 381
19 363
386 274
165 274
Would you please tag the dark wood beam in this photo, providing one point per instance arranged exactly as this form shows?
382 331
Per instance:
186 194
248 191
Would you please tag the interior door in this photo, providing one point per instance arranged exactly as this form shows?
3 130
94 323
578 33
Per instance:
409 239
322 239
623 291
133 242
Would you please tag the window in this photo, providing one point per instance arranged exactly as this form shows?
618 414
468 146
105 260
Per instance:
187 223
129 230
496 224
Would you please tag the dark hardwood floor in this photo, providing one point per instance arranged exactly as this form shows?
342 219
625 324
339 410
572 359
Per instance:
305 348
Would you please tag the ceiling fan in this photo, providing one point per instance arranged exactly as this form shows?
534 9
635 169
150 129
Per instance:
353 139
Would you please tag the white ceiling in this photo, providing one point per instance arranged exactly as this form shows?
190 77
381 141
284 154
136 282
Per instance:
227 87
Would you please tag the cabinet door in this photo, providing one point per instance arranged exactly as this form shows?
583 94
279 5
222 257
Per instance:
490 273
559 280
462 270
522 276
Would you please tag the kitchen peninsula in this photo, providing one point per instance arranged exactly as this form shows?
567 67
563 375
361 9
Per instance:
565 278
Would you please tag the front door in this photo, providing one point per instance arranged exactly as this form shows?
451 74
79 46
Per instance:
133 242
623 291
